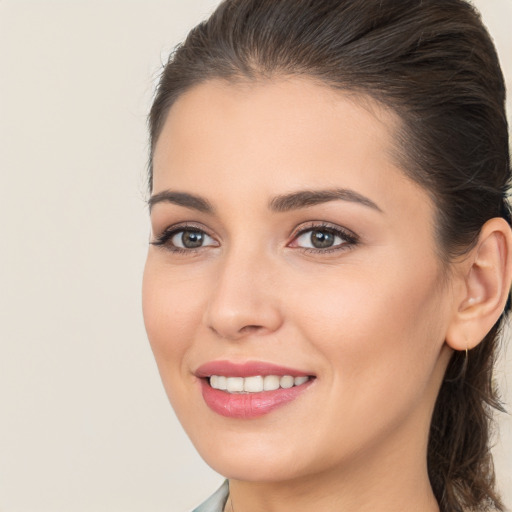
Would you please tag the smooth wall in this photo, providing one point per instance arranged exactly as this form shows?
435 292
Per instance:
84 422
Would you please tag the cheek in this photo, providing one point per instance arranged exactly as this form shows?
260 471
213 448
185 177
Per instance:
380 341
172 311
381 331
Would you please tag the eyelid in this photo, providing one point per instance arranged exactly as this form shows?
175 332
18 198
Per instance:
349 238
163 239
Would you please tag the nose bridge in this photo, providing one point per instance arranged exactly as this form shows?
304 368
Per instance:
242 299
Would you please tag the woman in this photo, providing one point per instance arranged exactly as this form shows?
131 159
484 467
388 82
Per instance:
330 252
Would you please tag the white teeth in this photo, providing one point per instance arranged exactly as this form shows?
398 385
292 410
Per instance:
253 384
256 383
234 384
300 380
270 382
222 382
286 381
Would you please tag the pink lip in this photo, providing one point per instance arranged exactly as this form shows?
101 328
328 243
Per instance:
247 405
248 369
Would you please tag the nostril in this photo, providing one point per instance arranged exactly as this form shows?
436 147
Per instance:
237 333
250 328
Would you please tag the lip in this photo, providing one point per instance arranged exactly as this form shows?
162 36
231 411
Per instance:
247 369
248 405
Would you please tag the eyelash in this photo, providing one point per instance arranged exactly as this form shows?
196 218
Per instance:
349 238
163 240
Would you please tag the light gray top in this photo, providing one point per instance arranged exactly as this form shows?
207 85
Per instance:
217 501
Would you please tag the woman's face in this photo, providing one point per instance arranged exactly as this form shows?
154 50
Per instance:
287 243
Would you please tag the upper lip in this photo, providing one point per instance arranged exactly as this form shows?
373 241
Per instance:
247 369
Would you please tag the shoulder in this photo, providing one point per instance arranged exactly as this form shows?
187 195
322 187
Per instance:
217 501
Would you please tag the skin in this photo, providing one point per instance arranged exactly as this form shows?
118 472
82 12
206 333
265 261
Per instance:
368 319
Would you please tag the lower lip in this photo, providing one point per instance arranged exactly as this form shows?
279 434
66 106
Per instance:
249 405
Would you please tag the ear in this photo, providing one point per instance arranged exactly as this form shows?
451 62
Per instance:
484 278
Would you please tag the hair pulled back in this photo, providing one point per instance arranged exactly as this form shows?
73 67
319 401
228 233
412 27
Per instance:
434 64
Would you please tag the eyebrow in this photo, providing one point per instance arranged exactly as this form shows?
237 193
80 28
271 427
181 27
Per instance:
281 203
181 199
307 198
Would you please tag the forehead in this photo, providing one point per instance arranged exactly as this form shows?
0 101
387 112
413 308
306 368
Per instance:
276 100
280 113
272 137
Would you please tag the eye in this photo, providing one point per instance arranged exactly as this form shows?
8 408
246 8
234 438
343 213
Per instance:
183 239
188 239
324 239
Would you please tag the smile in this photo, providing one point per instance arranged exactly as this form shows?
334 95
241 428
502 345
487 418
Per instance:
255 384
251 389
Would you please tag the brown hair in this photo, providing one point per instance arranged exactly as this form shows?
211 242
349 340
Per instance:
432 62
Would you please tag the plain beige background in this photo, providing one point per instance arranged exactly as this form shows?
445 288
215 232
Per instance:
84 422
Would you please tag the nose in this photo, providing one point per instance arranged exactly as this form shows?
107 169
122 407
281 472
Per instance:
244 299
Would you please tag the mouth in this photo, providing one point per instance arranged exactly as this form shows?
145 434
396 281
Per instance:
256 383
251 389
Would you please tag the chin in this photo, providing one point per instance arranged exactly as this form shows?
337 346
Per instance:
260 455
261 468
